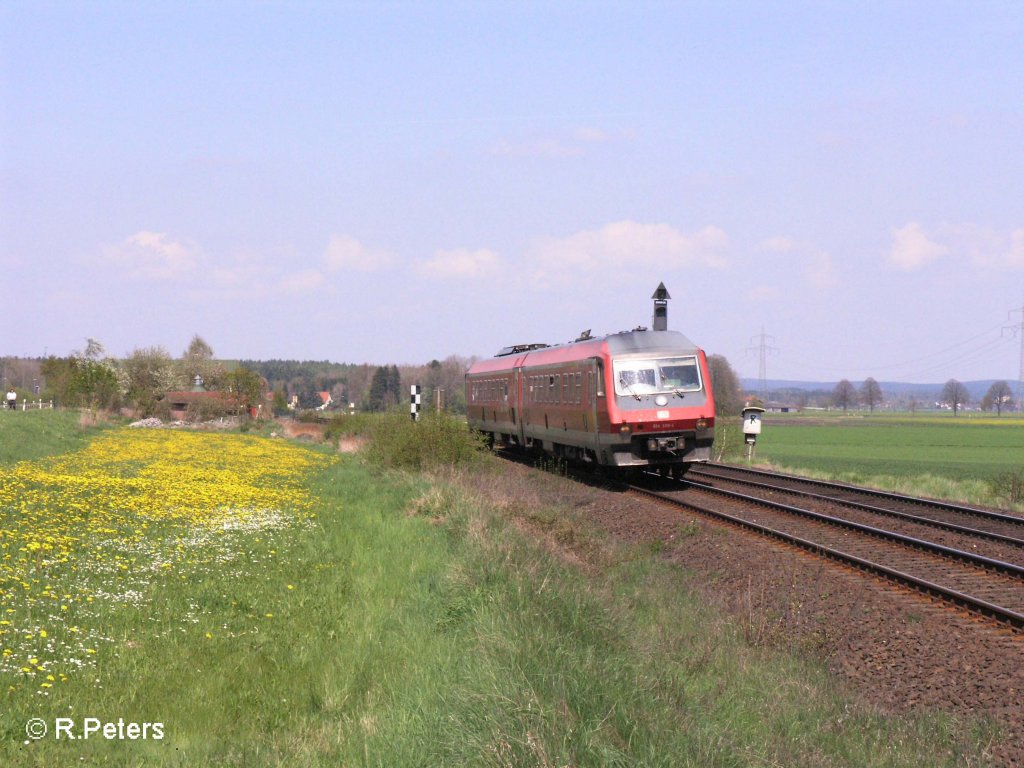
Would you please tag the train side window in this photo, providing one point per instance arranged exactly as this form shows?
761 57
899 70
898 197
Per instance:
600 379
578 386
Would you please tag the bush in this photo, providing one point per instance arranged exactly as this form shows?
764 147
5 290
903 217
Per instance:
207 410
729 442
395 440
1009 486
350 425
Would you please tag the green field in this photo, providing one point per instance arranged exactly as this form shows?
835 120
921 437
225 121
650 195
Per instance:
378 616
956 457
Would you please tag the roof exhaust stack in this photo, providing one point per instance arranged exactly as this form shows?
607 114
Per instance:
660 320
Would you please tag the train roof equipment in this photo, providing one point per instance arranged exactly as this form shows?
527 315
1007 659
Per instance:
516 349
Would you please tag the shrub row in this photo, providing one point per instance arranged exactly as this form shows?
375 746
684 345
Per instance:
394 440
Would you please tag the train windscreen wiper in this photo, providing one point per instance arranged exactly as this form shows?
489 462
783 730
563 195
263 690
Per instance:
622 381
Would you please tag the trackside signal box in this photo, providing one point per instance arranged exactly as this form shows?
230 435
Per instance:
752 423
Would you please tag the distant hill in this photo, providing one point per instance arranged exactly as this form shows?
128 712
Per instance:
977 389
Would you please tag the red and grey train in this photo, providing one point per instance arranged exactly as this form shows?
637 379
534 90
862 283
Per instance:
631 400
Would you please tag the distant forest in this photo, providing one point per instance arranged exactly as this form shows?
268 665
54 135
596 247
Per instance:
367 387
92 378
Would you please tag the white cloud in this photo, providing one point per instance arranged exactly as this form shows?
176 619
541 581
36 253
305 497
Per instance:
987 248
972 245
787 254
912 249
153 256
575 144
346 253
764 293
623 244
591 135
779 244
1015 258
303 281
460 262
538 148
821 271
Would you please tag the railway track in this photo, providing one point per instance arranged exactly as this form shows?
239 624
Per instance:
967 557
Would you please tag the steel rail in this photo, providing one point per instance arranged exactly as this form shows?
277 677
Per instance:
872 508
949 506
975 604
989 563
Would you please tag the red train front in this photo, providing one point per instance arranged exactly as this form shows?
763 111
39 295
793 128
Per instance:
628 400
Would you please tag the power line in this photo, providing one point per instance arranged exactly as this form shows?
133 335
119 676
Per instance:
975 354
942 351
763 348
968 350
1018 330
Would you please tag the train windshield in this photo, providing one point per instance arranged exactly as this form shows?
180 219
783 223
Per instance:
669 375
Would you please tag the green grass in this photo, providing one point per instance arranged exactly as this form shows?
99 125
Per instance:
415 624
936 455
26 435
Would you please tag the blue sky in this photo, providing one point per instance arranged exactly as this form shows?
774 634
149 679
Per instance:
395 182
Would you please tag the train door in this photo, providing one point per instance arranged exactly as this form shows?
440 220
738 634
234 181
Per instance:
517 407
595 397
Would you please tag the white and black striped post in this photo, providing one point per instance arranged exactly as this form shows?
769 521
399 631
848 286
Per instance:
414 402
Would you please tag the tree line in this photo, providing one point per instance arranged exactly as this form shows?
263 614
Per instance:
91 378
366 387
139 382
954 395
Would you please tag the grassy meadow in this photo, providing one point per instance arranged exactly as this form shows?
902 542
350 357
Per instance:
268 602
963 457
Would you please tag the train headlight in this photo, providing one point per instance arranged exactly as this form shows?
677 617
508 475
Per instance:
702 423
624 429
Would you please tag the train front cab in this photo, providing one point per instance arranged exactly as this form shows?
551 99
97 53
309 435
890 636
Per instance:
660 411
